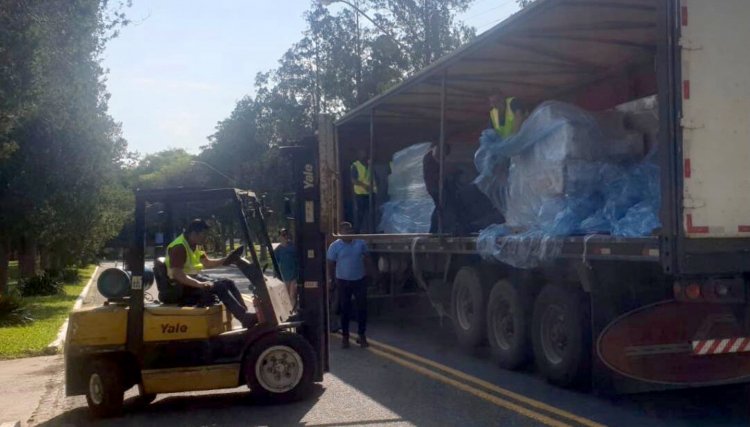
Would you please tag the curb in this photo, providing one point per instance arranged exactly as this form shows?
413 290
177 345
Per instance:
55 346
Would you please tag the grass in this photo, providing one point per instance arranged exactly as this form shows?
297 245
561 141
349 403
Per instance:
49 313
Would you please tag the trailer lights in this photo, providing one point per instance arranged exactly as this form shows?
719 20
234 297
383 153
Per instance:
721 290
714 290
693 291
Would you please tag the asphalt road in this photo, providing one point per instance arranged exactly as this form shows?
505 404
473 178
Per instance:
415 374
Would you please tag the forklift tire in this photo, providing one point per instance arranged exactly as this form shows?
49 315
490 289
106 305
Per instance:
105 392
280 368
562 336
508 328
468 307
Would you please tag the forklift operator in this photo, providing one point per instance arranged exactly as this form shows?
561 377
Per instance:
185 260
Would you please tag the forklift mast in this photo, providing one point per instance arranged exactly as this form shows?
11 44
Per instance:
310 243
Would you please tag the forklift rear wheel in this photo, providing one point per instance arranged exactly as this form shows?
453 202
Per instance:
105 392
280 367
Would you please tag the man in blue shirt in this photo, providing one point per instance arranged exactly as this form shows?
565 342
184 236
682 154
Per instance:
286 256
349 259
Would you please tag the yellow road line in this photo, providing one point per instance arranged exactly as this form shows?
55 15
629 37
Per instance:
471 390
521 398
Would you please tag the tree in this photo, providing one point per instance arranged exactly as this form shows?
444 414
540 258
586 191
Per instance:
340 62
524 3
173 167
60 152
425 27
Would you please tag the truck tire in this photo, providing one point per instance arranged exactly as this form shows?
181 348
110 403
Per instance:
561 335
508 318
468 307
280 367
104 394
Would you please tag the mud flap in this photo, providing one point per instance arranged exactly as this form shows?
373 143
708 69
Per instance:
656 344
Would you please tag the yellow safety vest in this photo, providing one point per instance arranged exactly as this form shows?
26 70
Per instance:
193 263
506 129
363 176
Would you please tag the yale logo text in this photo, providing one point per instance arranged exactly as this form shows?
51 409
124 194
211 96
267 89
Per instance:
309 180
167 328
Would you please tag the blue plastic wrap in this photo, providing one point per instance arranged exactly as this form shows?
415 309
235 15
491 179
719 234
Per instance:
564 173
409 207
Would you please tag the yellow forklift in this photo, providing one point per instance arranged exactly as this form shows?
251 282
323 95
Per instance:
159 348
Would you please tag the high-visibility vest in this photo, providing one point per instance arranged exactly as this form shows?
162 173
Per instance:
506 129
193 263
363 176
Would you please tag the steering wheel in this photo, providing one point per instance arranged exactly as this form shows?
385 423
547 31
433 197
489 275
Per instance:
234 255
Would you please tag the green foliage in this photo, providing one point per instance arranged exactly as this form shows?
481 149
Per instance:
41 285
168 168
62 183
48 313
13 311
66 275
341 61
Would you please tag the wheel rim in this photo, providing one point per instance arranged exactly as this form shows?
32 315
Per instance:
503 329
464 308
279 369
554 338
96 389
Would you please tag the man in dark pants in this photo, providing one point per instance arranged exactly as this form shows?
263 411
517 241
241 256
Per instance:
431 174
185 260
349 259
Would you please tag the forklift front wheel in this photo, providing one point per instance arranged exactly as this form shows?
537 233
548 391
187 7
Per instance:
280 367
105 392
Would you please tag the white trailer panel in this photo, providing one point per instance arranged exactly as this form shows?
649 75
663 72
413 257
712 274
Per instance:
716 117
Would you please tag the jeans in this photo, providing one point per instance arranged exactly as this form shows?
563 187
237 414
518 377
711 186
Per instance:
227 292
361 213
357 289
225 289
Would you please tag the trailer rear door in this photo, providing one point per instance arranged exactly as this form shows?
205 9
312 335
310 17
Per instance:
715 126
716 117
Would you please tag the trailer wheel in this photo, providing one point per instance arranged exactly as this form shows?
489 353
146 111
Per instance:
105 392
468 307
508 325
280 367
561 335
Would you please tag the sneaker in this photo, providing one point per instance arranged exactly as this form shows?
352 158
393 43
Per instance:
345 342
250 320
362 341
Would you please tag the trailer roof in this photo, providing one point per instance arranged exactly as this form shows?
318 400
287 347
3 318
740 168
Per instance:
545 51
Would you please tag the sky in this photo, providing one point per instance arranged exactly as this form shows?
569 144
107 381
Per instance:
180 67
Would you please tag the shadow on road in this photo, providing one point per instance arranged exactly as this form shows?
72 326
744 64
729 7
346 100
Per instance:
217 409
727 405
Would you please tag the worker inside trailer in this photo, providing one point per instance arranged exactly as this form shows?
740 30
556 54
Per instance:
431 172
506 114
361 178
185 261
